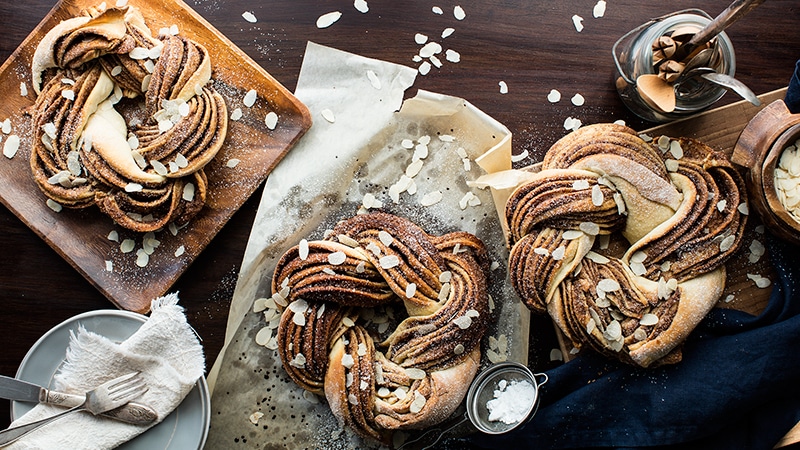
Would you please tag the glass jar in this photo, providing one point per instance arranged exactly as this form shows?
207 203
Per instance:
633 56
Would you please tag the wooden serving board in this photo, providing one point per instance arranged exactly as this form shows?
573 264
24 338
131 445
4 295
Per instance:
81 236
720 128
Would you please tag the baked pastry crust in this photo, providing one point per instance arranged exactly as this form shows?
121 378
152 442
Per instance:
418 374
679 214
82 151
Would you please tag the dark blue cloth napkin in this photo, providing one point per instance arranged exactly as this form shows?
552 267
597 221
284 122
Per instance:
792 99
738 386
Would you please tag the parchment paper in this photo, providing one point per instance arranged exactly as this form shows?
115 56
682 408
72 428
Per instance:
324 179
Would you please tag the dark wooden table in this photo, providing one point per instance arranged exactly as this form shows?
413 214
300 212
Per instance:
530 45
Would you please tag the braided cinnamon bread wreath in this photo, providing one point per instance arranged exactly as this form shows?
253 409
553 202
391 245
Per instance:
416 375
679 204
86 153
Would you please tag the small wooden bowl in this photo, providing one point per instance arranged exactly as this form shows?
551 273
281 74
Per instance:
759 150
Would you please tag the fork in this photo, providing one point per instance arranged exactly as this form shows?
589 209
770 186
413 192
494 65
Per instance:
109 395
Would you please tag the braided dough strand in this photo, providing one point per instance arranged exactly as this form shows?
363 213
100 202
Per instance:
680 215
416 375
86 153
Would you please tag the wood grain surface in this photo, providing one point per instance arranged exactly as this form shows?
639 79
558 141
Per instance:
532 46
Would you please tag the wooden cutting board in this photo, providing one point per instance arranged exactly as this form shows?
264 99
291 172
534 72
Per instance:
720 128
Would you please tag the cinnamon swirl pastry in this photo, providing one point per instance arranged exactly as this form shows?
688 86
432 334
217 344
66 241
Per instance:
415 376
676 202
86 153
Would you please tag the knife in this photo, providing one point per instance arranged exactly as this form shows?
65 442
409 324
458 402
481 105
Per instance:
14 389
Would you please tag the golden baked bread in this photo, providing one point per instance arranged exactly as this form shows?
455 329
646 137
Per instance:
86 153
678 205
411 377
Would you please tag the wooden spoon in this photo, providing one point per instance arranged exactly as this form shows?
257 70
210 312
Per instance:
657 92
732 13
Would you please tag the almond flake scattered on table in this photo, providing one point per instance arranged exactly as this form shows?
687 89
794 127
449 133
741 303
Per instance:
250 98
503 87
370 201
328 115
271 120
761 282
599 9
328 19
458 13
52 204
414 168
249 16
554 96
11 146
430 49
127 245
424 68
361 6
571 123
757 250
447 32
452 56
578 100
420 38
578 22
437 10
142 258
519 157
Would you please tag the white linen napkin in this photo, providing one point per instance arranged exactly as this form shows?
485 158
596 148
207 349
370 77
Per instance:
165 350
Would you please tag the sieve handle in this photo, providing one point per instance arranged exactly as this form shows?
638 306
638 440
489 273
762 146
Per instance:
426 435
543 377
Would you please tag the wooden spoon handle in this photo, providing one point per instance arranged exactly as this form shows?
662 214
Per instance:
732 13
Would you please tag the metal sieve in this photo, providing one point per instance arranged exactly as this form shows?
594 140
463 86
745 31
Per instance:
481 391
483 388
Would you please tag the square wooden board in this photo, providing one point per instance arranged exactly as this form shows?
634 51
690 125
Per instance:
80 236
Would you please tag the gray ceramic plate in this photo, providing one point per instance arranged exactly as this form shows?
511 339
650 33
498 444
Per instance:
185 429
